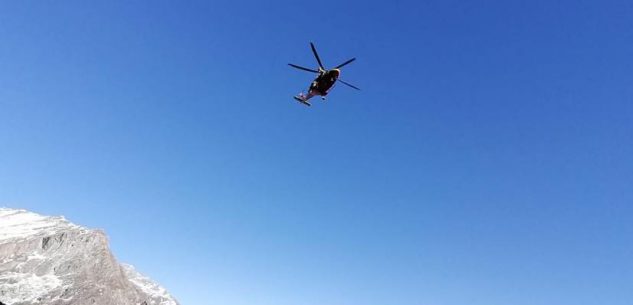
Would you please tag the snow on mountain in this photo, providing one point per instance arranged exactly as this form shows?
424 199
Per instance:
48 260
146 285
21 224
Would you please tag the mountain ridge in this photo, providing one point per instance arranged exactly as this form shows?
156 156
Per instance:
49 260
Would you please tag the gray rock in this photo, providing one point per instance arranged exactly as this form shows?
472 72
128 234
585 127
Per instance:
48 260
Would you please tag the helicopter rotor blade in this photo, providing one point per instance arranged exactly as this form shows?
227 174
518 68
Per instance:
302 68
316 55
346 83
345 63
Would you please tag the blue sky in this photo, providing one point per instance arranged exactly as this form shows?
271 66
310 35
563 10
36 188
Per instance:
487 160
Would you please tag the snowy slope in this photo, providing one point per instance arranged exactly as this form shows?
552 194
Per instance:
145 284
48 260
22 224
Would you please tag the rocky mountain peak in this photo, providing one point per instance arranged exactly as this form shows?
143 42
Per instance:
49 260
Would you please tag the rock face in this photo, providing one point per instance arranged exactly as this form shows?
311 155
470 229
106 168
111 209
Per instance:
48 260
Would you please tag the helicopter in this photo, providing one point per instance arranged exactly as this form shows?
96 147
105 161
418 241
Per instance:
324 81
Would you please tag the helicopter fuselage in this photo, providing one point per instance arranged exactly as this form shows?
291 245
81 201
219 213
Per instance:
324 82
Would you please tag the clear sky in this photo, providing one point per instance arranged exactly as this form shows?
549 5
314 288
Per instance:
488 159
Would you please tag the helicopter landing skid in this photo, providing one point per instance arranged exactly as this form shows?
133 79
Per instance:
298 99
